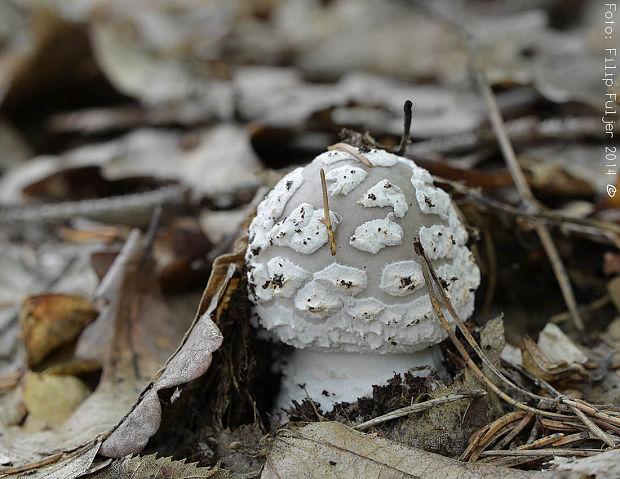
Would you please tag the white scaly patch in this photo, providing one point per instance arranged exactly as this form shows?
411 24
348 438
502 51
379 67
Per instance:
432 200
438 241
285 276
303 230
381 157
341 278
344 179
317 301
460 278
375 235
401 278
270 209
420 176
273 205
385 193
331 157
365 309
456 226
259 277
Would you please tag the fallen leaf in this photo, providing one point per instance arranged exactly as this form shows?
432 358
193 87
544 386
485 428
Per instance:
218 163
158 468
190 361
538 364
50 399
613 287
331 449
70 465
603 465
50 320
558 347
611 263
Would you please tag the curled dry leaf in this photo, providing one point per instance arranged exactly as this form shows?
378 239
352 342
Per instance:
50 320
191 359
558 347
536 362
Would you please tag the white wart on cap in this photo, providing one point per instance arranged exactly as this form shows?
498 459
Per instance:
370 296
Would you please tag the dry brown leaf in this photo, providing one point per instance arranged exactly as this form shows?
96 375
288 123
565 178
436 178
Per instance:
558 347
613 287
151 467
50 399
190 361
68 466
50 320
611 263
331 449
537 363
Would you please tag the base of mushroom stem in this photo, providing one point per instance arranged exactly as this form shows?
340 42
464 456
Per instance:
329 378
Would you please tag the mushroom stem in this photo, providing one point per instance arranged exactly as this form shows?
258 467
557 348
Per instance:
332 377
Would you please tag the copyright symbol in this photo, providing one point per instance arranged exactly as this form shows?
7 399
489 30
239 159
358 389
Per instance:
611 190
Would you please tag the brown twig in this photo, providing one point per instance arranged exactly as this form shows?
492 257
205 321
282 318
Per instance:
588 308
351 150
402 146
573 405
414 408
327 219
594 429
496 429
515 431
474 441
543 441
429 271
540 452
549 216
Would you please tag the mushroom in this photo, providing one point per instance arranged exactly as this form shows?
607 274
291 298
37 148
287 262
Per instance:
357 317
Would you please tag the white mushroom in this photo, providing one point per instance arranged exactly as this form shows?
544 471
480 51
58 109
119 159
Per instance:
360 316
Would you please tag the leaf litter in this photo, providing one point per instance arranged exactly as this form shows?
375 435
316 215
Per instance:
229 91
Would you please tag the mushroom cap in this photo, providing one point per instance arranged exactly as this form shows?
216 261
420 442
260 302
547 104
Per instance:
370 296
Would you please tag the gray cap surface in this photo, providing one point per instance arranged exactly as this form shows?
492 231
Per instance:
370 296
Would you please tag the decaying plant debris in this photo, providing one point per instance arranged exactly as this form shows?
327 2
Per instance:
131 164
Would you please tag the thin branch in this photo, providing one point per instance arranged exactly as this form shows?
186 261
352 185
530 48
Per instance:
515 431
540 452
136 207
404 140
414 408
327 219
597 431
